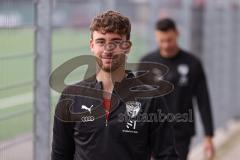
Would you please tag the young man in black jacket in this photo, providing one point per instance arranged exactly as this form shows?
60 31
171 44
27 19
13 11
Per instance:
101 118
187 76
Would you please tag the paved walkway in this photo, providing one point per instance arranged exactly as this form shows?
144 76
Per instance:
20 148
231 150
226 141
233 154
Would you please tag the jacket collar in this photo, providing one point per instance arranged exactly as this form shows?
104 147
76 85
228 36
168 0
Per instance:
99 85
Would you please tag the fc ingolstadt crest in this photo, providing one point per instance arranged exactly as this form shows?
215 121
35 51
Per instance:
133 108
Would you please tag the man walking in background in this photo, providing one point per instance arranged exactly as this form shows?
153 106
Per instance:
187 75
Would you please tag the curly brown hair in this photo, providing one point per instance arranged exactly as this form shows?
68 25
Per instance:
111 22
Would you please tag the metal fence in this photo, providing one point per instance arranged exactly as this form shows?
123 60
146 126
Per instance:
210 29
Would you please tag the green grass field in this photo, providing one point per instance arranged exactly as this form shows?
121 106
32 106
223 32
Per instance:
17 66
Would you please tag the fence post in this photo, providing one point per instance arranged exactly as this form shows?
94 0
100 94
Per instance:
42 116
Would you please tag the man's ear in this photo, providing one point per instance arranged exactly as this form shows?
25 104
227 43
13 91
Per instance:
129 49
91 44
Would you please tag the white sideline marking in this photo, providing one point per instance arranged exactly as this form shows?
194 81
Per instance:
18 100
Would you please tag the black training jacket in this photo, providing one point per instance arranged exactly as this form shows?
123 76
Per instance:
187 75
82 132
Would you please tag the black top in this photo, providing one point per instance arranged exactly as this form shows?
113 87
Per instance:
82 132
187 76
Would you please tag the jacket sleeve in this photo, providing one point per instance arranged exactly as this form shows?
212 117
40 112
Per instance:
203 101
63 147
162 138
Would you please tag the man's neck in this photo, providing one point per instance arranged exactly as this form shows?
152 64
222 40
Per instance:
172 55
109 78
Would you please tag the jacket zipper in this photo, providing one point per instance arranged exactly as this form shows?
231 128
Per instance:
106 124
107 114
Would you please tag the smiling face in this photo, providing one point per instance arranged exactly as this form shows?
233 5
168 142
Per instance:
110 50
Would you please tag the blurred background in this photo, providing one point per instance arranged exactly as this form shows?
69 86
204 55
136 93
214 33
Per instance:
208 28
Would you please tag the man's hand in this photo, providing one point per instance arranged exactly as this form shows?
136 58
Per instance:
209 148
